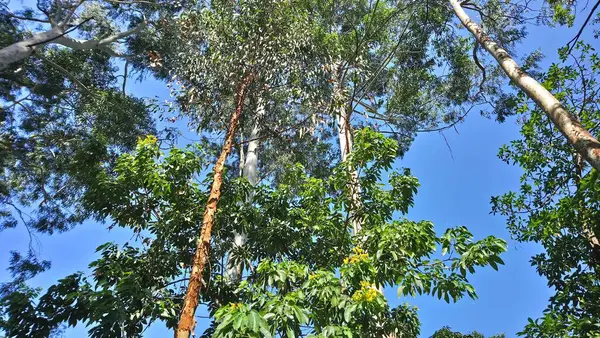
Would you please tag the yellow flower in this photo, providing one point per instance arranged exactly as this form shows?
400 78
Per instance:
368 292
371 294
357 250
148 140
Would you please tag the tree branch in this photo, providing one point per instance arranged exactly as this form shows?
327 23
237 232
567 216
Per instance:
67 73
28 19
91 44
70 14
587 20
60 35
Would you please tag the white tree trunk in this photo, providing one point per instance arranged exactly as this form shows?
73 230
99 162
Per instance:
250 172
340 100
584 143
23 49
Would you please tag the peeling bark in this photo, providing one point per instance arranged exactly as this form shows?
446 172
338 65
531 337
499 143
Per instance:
580 138
190 303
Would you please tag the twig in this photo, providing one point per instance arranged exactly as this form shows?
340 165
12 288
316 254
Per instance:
125 75
483 77
67 73
447 144
587 20
28 19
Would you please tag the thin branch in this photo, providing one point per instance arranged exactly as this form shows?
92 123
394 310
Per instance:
483 77
17 102
70 14
363 90
32 236
67 73
125 75
451 125
587 20
133 2
28 19
447 144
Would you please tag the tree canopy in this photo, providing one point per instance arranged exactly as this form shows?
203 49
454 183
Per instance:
288 217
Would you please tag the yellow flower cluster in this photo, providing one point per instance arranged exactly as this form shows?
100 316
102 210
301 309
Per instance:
367 293
149 139
358 256
236 306
312 276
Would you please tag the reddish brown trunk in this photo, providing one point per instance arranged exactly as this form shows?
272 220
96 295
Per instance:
190 302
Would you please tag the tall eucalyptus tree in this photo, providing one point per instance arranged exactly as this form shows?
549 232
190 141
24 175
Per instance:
232 49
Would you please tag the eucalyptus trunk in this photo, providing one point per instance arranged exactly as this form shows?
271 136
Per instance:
343 116
187 322
580 138
250 172
23 49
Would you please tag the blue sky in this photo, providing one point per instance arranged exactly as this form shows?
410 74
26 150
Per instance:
455 190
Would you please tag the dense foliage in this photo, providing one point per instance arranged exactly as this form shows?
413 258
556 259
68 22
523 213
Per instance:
302 244
305 273
558 201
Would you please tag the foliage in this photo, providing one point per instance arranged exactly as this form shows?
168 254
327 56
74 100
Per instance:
446 332
63 112
557 203
305 274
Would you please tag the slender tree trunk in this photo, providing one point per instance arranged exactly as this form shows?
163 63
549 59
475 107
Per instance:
23 49
190 302
345 139
343 116
249 171
346 144
584 143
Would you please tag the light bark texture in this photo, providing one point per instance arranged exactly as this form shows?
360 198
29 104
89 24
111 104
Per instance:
250 172
23 49
580 138
343 117
187 322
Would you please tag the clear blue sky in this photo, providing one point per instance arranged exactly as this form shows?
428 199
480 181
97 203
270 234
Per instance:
454 191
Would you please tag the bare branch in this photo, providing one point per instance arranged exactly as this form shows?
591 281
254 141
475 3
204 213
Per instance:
19 17
587 20
483 77
125 76
60 35
94 44
69 15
